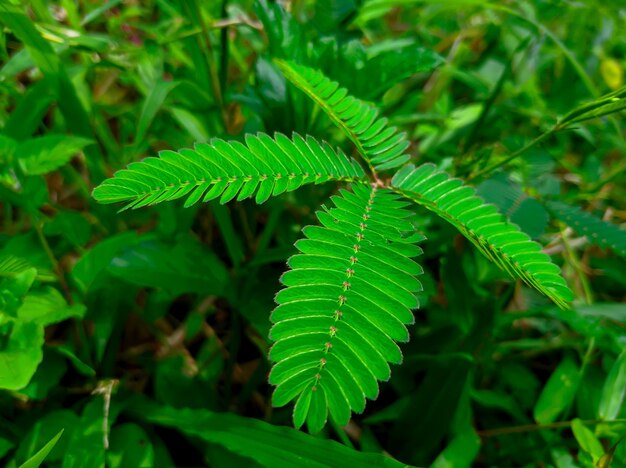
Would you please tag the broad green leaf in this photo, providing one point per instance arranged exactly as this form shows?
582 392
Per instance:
614 390
5 446
461 451
266 444
87 445
46 306
21 355
438 401
130 446
587 440
44 154
78 364
72 225
562 458
558 393
190 123
39 457
181 266
30 110
95 261
47 376
173 377
8 147
14 286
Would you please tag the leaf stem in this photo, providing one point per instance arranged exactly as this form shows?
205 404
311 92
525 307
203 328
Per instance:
215 76
517 153
495 92
55 264
578 267
224 48
539 427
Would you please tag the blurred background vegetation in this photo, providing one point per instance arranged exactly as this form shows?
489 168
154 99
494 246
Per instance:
143 335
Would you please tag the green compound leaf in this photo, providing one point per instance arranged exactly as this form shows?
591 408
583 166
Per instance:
381 146
482 224
264 165
599 232
605 105
349 295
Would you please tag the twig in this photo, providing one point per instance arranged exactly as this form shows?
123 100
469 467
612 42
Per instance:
242 20
558 248
539 427
55 264
106 389
517 153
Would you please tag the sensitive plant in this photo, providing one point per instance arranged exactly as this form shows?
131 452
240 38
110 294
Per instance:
147 338
350 290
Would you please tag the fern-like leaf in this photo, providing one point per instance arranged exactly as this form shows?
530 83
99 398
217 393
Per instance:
228 169
380 145
599 232
481 223
349 296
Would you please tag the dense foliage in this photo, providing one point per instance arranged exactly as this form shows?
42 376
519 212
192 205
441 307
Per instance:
172 294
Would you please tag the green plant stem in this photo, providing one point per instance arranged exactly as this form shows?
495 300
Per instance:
517 153
614 171
215 78
578 268
587 357
491 99
224 48
245 224
55 264
539 427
